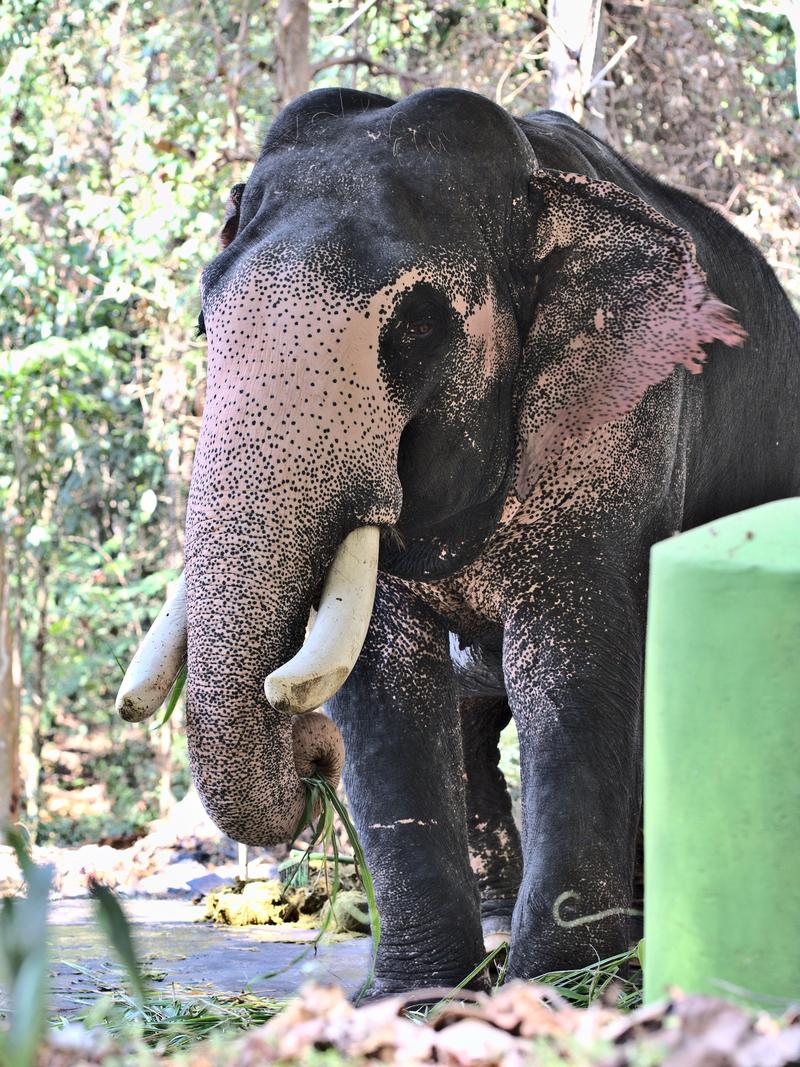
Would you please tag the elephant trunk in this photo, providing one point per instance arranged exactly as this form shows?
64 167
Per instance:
266 810
247 609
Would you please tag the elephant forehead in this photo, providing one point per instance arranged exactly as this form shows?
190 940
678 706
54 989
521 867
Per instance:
295 391
298 312
293 379
280 322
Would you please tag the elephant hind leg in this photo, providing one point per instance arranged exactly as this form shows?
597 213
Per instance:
494 844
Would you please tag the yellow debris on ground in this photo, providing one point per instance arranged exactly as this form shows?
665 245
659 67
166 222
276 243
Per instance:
267 902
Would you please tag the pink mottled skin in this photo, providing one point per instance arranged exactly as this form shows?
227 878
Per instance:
422 318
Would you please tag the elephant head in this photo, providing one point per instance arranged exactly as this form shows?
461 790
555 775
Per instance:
406 322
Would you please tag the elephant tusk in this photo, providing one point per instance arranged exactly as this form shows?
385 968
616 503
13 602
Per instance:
338 632
157 661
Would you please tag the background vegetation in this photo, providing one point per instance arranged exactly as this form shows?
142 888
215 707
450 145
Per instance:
122 125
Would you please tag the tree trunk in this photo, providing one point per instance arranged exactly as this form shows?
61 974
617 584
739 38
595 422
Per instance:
9 701
575 48
292 69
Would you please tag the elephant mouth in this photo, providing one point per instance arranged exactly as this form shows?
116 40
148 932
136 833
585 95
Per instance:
433 551
310 678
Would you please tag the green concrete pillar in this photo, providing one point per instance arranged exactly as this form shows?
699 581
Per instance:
722 758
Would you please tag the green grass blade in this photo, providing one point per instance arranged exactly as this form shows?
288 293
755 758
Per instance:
115 925
24 958
584 985
364 875
487 960
174 696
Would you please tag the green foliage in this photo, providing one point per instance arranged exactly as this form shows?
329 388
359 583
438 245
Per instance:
766 28
109 209
23 960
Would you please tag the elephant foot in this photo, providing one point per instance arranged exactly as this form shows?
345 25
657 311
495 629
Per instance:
496 918
422 996
578 929
430 975
496 931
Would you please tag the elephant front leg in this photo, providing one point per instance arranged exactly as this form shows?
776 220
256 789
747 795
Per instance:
574 682
494 844
404 776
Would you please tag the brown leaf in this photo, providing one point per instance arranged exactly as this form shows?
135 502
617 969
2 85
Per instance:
708 1034
471 1043
771 1050
529 1010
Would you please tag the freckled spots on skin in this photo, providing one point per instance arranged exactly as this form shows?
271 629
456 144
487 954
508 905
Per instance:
502 838
647 271
492 331
578 453
298 407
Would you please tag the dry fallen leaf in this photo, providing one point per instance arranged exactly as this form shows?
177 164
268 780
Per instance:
471 1043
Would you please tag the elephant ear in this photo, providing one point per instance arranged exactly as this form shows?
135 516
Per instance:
620 302
233 208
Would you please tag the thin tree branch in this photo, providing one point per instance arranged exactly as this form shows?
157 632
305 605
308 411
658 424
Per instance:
374 66
620 52
525 53
352 19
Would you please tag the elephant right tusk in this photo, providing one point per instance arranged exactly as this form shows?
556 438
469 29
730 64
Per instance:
338 632
157 661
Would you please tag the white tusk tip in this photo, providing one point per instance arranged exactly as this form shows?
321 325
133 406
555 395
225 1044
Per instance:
133 707
296 696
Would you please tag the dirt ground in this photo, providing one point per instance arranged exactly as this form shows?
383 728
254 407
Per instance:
183 955
161 881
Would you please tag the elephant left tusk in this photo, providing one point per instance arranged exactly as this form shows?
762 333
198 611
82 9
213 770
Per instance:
157 661
339 630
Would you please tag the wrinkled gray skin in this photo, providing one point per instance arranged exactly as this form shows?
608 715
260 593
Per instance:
413 324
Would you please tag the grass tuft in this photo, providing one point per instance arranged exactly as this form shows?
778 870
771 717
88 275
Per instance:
619 976
322 793
170 1024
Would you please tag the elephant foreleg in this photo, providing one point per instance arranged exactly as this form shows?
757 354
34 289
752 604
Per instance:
404 776
494 845
574 683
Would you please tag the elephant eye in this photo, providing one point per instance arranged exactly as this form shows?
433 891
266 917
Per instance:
419 330
421 323
410 331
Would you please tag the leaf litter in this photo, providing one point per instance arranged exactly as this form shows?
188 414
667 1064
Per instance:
520 1025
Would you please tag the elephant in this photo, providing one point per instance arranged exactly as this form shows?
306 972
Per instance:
454 396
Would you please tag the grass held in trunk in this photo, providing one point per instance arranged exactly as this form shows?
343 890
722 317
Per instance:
321 796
